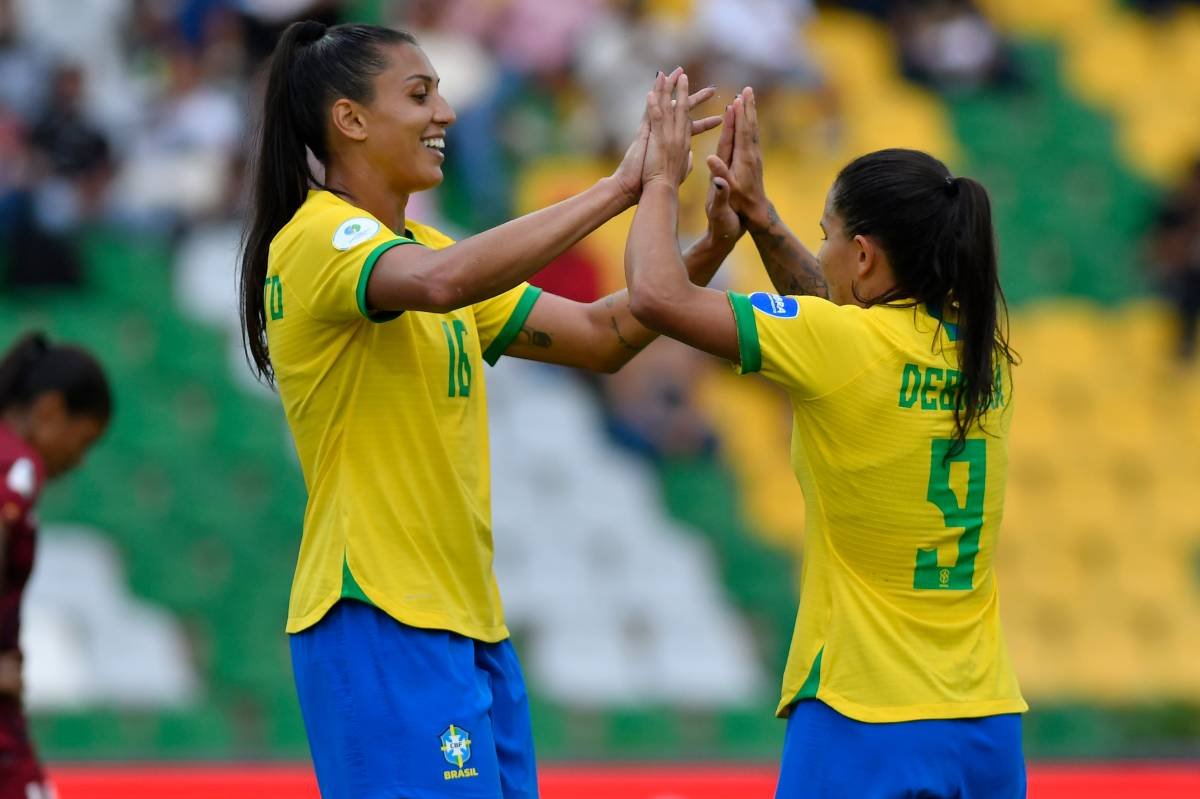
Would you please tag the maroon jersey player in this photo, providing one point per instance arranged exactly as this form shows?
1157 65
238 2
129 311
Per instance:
54 403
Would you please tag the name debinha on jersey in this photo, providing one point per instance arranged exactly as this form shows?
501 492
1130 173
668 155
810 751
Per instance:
932 389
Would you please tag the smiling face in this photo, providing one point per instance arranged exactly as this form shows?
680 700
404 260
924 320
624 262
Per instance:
404 125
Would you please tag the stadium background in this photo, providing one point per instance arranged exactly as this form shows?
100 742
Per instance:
648 525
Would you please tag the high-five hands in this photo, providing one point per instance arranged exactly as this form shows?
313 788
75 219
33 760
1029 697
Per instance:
724 224
629 174
669 151
740 166
737 198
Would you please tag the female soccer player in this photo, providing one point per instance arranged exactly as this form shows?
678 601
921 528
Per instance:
54 404
898 681
377 329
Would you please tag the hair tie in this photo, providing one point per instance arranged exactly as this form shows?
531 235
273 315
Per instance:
952 186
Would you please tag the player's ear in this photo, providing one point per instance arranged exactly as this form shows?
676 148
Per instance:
348 119
866 256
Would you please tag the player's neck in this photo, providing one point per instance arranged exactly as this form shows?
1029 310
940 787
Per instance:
366 190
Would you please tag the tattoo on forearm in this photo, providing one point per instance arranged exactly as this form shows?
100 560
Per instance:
624 341
792 269
538 338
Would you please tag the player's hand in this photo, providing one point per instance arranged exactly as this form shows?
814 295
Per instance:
724 224
629 173
741 167
669 150
11 684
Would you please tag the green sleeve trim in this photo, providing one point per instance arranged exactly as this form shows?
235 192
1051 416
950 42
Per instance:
365 275
513 326
749 351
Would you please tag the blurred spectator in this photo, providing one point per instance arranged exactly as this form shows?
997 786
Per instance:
178 167
529 37
71 170
14 167
617 57
949 46
25 69
756 43
1175 251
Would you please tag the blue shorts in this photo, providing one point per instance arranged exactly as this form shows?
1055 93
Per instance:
826 754
399 712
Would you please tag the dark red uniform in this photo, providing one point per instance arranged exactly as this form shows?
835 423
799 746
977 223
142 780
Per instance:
21 479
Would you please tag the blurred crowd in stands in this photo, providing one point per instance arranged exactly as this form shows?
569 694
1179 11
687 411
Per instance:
139 114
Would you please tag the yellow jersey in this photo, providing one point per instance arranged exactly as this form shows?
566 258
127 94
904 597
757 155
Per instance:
899 613
389 415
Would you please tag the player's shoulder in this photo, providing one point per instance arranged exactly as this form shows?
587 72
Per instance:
428 235
810 312
326 222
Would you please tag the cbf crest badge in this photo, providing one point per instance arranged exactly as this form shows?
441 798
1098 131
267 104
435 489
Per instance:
456 746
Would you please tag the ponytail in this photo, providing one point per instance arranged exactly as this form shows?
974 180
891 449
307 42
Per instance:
312 67
970 259
33 367
937 232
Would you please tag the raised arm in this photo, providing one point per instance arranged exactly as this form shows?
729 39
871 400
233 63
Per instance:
789 264
662 297
487 264
604 335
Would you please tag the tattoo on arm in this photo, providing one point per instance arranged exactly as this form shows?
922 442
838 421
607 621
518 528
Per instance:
624 341
792 268
538 338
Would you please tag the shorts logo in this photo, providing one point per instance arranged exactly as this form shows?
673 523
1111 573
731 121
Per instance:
353 232
456 748
775 305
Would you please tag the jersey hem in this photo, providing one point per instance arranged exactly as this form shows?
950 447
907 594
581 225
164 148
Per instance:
429 621
933 710
365 275
513 326
749 351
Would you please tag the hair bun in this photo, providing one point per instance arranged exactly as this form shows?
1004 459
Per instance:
309 31
34 346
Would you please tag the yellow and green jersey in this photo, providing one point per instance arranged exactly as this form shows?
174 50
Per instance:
389 415
899 613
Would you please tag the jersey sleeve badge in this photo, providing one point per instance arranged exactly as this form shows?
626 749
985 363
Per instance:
775 305
353 232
